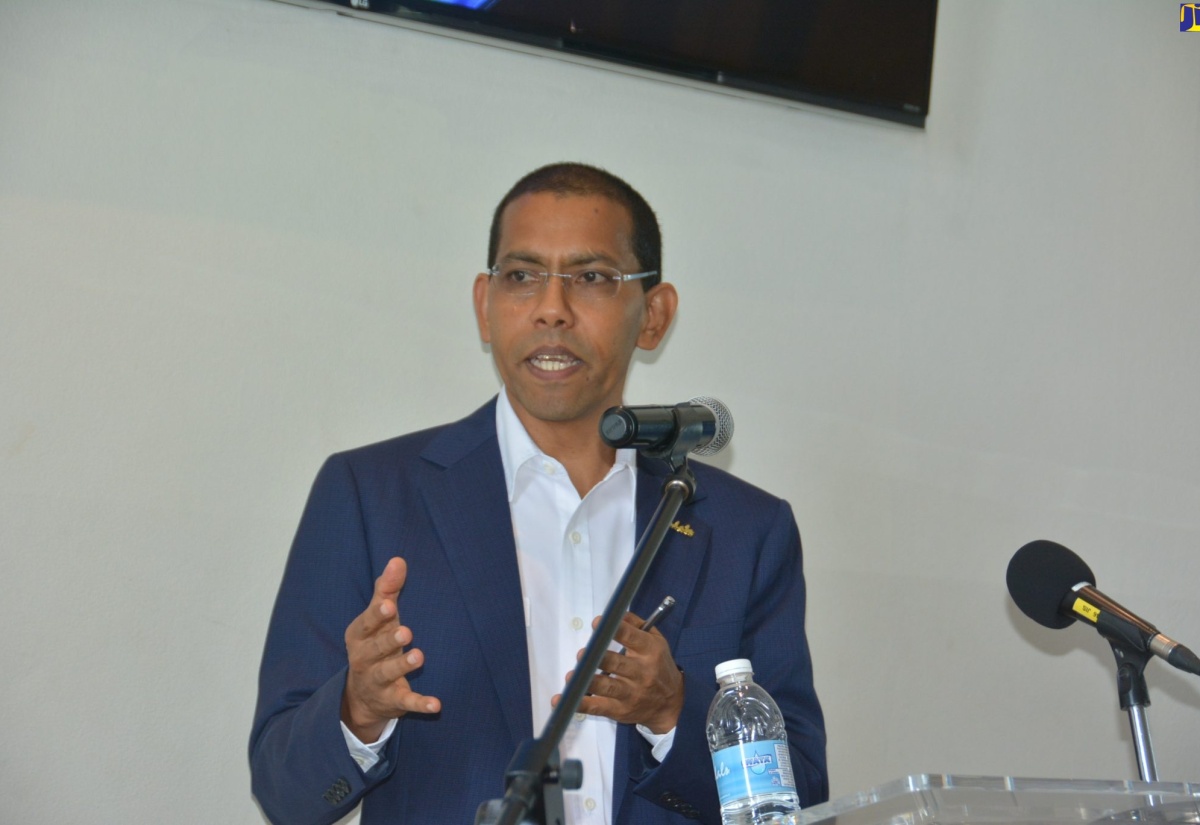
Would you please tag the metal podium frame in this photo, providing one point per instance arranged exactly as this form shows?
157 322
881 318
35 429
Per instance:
941 799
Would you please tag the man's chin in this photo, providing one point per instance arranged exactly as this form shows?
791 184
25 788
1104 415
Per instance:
553 413
556 408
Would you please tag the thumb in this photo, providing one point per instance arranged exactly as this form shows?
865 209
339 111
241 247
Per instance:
391 580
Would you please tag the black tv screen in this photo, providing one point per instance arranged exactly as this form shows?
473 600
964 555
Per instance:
872 57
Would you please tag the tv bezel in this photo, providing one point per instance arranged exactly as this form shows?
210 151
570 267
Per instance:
470 22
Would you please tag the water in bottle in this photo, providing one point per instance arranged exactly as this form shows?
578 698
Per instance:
748 741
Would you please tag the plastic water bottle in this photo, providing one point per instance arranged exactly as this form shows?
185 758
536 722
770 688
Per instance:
748 741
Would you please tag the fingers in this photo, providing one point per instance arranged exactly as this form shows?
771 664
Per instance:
616 664
640 685
381 616
607 707
594 705
367 650
610 686
377 686
416 703
630 634
391 580
632 640
388 674
382 609
403 698
390 669
605 685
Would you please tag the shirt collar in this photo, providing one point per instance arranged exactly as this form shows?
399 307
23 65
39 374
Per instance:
517 448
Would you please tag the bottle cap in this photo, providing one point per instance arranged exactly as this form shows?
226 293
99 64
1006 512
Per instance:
733 666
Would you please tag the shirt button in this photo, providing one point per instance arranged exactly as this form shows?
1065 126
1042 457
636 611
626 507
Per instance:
549 468
579 717
575 537
577 623
590 804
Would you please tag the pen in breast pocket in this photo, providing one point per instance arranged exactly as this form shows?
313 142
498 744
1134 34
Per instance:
654 618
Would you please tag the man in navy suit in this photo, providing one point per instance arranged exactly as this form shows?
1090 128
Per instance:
498 538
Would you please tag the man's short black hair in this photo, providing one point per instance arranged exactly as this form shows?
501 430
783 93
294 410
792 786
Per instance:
580 179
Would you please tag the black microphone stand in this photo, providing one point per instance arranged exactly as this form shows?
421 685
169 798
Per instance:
534 778
1135 698
1132 654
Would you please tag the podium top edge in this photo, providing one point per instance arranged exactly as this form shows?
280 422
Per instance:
950 799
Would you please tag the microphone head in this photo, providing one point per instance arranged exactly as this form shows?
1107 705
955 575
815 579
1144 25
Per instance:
724 419
1040 576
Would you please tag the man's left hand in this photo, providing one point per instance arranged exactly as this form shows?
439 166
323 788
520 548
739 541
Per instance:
640 687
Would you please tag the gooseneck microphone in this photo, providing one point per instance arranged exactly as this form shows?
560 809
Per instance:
1055 588
702 426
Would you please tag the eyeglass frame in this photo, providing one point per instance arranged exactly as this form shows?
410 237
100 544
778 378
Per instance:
544 277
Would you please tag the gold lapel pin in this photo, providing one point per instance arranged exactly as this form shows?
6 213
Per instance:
686 529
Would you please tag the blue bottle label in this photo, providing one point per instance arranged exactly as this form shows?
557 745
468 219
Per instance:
753 768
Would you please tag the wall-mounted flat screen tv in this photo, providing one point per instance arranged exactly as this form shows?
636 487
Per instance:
871 57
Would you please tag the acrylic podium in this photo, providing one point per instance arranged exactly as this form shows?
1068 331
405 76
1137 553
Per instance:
940 799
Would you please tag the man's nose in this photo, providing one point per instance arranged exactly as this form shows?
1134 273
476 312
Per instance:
553 302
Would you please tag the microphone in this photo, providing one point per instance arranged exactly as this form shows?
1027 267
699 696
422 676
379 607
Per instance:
1055 587
702 426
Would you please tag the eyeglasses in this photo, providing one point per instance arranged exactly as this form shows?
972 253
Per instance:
589 282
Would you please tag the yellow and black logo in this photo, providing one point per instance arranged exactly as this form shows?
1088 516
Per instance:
1189 17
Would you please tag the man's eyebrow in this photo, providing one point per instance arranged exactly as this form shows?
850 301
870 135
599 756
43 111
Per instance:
523 257
582 258
575 259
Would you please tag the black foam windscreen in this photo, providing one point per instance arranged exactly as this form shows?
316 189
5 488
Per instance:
1039 577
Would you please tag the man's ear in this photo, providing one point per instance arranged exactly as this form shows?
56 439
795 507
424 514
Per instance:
661 302
480 293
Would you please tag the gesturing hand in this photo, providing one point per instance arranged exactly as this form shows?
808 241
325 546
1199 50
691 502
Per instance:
641 687
377 688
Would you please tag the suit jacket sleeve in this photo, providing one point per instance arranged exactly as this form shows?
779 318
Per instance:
301 769
773 638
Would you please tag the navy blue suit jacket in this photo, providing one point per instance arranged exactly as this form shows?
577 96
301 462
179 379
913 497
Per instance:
438 499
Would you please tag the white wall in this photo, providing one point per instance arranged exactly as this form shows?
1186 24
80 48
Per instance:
237 235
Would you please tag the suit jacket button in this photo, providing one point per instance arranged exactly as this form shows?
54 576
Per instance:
338 791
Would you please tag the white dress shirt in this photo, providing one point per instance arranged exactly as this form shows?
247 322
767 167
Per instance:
571 553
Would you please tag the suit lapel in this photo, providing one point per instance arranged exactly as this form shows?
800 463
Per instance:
674 573
469 508
680 558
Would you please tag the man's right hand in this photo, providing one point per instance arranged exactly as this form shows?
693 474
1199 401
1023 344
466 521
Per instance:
377 688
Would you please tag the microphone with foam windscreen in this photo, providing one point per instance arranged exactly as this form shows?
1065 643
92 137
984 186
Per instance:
1055 588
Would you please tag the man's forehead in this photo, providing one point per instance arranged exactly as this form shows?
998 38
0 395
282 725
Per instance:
556 214
601 205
